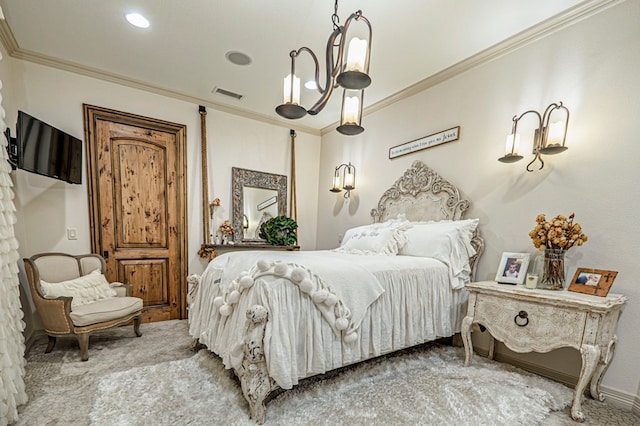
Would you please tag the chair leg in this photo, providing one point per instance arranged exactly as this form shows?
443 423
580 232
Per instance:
83 340
136 325
51 344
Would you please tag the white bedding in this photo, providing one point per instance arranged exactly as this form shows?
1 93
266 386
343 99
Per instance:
395 301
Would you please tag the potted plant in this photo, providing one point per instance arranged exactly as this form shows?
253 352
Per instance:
279 231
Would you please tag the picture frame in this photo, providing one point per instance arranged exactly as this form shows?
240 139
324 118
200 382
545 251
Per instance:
513 268
596 282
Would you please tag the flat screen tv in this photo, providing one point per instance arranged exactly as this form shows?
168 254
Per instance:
48 151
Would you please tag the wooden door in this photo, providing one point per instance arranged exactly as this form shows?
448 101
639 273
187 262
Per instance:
137 194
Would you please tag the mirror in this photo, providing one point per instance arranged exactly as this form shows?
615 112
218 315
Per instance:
257 197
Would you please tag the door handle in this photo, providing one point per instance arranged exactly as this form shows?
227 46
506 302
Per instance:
105 254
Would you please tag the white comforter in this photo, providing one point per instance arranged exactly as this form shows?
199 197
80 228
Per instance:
394 302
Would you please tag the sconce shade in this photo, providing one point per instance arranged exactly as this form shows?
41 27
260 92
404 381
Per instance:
555 138
349 178
336 181
511 149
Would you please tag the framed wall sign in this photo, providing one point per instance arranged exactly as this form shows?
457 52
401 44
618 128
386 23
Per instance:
435 139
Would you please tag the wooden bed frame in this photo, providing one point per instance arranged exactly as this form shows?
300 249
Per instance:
420 194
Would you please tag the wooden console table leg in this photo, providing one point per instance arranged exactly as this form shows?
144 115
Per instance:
465 332
590 356
601 368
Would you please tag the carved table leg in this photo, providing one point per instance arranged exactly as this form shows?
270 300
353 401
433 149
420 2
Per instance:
465 332
601 368
590 356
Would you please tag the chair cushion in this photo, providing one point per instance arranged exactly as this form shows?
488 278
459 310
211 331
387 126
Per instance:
105 310
85 289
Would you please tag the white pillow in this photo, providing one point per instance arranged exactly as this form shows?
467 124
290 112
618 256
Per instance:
446 241
86 289
378 238
426 238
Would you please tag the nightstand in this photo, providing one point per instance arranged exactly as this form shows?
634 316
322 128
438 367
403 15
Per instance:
527 320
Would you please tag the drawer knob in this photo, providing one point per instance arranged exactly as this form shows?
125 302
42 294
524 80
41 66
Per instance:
522 319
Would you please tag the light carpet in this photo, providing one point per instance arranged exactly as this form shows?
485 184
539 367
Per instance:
172 388
426 386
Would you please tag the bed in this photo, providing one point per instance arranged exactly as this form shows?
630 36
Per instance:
277 317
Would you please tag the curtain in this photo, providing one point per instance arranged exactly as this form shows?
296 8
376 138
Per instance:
12 389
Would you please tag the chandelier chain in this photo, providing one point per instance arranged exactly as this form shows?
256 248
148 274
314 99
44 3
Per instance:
335 18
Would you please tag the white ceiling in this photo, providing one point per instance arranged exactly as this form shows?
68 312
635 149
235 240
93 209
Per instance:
182 53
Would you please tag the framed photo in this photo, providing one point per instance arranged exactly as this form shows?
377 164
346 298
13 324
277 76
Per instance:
513 268
592 281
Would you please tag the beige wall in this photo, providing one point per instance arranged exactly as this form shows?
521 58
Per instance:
46 207
592 67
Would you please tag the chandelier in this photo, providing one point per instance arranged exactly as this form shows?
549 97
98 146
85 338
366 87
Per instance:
349 70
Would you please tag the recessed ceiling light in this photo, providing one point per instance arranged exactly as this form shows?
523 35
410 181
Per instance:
238 58
137 20
311 85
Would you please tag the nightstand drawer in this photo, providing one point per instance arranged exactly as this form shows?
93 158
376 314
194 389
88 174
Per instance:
528 326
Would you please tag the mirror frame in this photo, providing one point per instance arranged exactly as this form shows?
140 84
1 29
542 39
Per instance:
244 177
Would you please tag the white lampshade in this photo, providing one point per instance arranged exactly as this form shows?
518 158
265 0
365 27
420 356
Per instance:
351 110
349 178
512 146
292 94
357 55
555 135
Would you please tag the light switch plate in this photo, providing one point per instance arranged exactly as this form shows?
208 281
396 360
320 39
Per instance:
72 234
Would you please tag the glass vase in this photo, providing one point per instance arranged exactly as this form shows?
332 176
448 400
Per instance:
553 270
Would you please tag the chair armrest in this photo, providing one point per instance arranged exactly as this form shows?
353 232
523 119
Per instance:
54 314
122 289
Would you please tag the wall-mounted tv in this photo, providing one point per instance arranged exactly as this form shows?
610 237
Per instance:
48 151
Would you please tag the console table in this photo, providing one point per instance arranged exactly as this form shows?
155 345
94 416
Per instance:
527 320
213 250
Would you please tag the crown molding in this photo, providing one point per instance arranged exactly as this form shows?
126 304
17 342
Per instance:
8 40
541 30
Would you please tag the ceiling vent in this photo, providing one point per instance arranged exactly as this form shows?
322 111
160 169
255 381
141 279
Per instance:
223 92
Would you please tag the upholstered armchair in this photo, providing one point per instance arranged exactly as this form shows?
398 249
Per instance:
73 297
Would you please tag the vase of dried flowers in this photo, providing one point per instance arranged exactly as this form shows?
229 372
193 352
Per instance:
553 270
226 229
555 237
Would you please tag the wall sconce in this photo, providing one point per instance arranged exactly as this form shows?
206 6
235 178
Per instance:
549 137
347 181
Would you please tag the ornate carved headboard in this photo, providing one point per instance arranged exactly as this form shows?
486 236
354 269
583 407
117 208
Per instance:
421 195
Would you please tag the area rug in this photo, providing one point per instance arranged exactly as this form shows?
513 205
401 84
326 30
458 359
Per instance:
425 386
